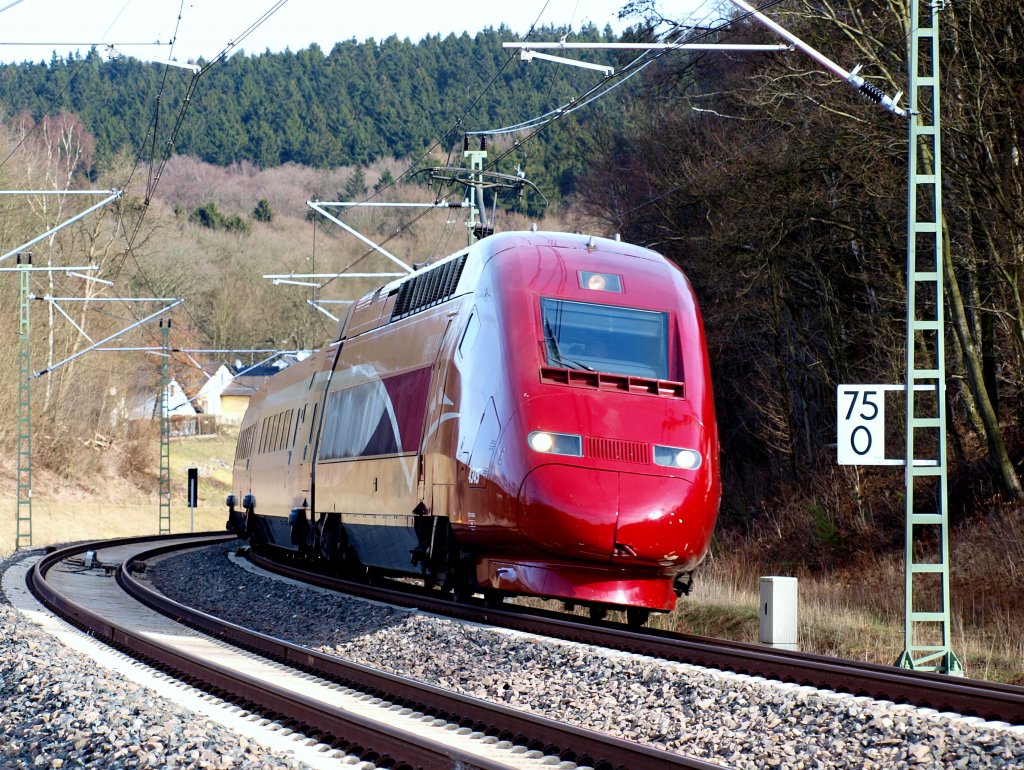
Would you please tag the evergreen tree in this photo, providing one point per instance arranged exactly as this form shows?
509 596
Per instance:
263 212
355 187
386 180
209 216
360 102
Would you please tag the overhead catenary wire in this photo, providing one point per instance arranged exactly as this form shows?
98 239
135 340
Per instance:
723 161
155 176
151 141
60 95
741 17
626 72
131 174
46 112
454 132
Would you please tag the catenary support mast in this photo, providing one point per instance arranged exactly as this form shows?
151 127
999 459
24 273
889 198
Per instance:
24 514
165 428
927 632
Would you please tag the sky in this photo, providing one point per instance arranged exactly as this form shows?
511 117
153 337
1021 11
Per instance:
206 27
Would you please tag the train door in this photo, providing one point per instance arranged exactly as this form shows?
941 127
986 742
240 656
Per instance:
295 480
435 473
304 450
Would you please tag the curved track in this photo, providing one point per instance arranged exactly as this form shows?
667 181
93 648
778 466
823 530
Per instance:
970 697
382 718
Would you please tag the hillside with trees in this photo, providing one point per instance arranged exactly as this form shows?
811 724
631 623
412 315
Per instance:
209 236
777 189
357 103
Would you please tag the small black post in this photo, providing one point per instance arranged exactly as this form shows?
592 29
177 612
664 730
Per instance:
193 496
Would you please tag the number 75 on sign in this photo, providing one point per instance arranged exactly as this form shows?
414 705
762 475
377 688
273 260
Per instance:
860 424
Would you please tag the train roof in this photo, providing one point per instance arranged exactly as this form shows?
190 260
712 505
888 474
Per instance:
458 273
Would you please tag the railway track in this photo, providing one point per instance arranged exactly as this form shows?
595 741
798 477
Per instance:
970 697
378 717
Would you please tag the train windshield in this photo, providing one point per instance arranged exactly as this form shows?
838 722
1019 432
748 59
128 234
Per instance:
605 338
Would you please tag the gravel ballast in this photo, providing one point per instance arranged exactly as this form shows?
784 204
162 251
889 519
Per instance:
60 709
738 721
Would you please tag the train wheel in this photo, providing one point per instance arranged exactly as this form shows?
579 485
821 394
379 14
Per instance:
493 600
598 613
332 540
637 616
461 580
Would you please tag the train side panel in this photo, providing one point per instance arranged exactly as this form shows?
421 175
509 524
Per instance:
369 466
271 471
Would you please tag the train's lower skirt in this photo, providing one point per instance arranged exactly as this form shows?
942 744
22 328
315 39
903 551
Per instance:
382 541
579 583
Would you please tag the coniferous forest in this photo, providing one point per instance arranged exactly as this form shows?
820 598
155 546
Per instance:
779 191
359 102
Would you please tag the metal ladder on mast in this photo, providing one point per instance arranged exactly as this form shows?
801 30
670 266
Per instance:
24 514
165 429
928 645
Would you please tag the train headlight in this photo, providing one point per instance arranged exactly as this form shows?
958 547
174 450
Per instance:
555 443
600 281
674 457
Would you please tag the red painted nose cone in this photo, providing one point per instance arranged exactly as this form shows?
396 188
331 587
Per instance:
581 513
570 511
657 520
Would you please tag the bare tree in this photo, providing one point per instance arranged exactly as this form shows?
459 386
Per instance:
783 195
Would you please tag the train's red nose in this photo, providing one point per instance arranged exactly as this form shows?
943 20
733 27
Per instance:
591 514
659 520
569 510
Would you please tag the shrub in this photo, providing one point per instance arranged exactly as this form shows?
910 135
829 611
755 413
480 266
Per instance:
208 215
263 212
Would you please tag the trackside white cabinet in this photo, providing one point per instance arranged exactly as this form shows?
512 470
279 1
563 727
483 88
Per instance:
778 610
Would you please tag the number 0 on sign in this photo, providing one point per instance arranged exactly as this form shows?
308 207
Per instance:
860 424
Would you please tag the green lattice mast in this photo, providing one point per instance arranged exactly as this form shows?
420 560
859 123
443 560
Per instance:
165 428
24 514
927 628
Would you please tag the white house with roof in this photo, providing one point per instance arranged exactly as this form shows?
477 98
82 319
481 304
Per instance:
226 394
208 399
178 403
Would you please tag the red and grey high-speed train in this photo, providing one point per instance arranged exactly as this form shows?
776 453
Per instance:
530 416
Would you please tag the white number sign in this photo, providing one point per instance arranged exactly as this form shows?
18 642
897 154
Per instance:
860 421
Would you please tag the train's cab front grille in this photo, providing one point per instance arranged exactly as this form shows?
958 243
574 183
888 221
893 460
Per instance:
617 449
554 375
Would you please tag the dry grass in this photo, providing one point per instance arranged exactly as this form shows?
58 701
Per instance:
56 522
62 514
857 612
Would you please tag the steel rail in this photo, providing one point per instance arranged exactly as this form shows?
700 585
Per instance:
583 746
969 697
351 732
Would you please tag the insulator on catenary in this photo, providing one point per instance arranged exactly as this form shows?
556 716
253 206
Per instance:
465 142
872 92
483 142
875 94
